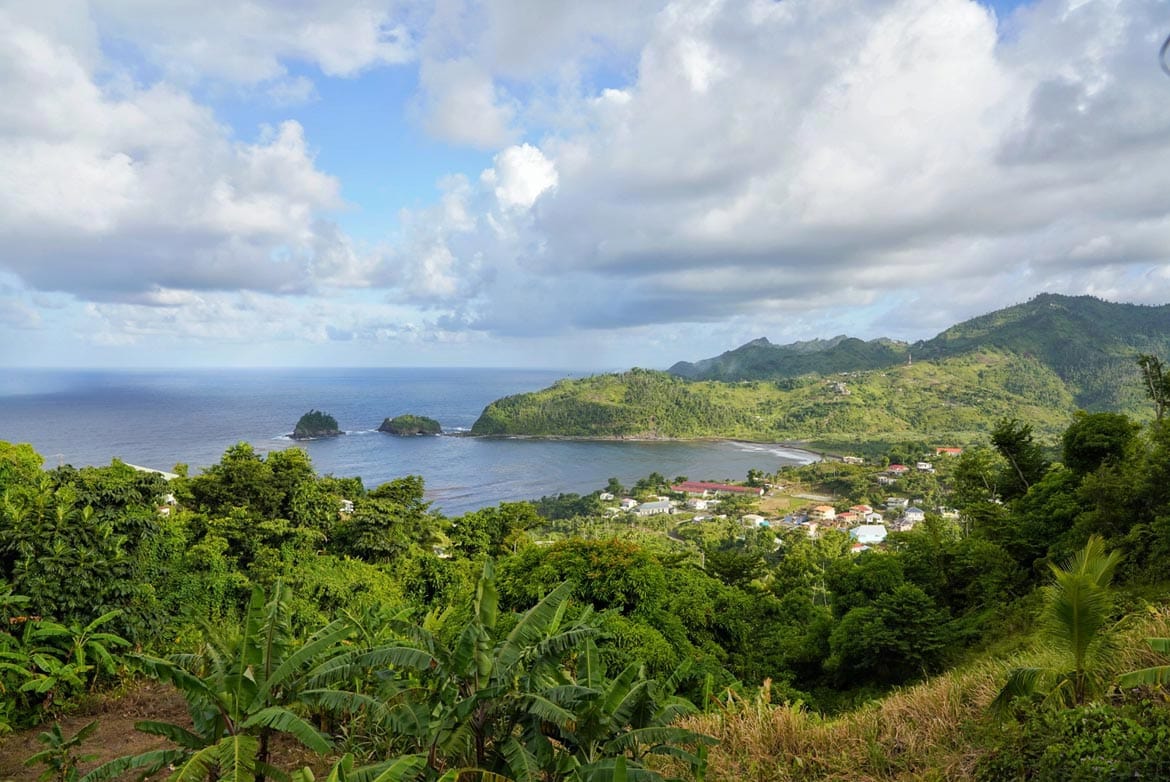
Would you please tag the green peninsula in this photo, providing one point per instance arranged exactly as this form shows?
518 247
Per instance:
1037 362
406 425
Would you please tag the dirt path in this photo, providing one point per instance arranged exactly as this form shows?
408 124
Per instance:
115 735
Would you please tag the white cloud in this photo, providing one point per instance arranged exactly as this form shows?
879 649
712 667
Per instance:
742 166
462 104
250 43
109 190
520 175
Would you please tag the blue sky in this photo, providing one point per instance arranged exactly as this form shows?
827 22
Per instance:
513 183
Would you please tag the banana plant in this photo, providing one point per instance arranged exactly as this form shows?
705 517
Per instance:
239 691
1154 676
629 717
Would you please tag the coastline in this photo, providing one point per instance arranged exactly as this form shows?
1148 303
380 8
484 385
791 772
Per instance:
797 446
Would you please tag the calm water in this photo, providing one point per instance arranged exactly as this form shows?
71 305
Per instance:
160 418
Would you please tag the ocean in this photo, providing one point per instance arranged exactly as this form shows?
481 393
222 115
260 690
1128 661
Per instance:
160 418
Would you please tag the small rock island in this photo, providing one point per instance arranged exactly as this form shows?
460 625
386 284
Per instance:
404 425
315 424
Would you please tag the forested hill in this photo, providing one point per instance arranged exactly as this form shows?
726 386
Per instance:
956 400
1088 343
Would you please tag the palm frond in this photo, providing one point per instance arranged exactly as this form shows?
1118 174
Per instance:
149 762
282 720
177 734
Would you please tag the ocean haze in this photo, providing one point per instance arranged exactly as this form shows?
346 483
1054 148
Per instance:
160 418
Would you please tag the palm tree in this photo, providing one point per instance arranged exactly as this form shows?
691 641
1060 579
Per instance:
239 693
1075 624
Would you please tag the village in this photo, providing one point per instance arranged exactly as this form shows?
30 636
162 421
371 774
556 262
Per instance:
900 497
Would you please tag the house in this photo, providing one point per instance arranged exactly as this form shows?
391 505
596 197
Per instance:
924 467
913 514
946 451
897 469
848 517
346 506
754 520
869 534
873 517
653 508
628 503
708 489
886 480
897 503
605 496
698 503
823 513
852 460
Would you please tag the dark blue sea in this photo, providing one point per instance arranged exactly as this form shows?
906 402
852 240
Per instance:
160 418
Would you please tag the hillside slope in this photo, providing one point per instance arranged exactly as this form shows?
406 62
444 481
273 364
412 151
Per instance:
1088 343
957 400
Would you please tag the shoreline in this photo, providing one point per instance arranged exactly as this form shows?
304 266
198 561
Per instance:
791 446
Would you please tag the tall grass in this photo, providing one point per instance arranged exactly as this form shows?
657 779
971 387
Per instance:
935 731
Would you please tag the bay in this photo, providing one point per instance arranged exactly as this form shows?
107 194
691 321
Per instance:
159 418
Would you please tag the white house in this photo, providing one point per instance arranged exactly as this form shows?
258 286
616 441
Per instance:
868 534
628 503
914 515
653 508
897 503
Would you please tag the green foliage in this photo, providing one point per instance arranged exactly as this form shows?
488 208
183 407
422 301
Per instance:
1096 438
410 425
60 757
240 691
1156 381
1093 743
1076 621
315 424
957 400
1024 456
1154 676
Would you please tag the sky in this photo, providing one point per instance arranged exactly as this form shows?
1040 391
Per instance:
552 183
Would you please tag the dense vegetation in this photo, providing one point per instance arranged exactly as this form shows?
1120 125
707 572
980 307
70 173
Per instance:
1037 361
551 641
1087 343
410 425
956 400
315 424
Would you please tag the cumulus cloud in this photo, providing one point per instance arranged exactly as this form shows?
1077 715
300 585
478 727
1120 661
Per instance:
703 168
774 157
111 190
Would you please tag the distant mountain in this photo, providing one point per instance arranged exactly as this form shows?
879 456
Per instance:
1039 362
761 360
1090 344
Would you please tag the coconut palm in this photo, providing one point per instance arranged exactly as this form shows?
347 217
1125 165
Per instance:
1076 623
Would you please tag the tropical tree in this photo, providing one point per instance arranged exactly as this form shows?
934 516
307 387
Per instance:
239 691
1075 624
1156 380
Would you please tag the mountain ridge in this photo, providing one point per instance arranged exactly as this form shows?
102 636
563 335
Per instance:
1090 343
